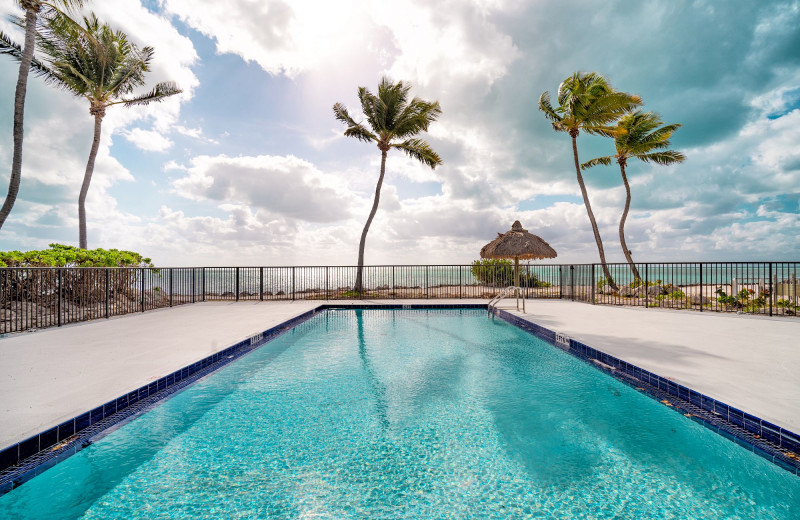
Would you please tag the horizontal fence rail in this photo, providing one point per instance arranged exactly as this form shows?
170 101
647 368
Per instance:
32 298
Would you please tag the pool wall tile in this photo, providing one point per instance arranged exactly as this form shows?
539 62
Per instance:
66 429
751 432
28 447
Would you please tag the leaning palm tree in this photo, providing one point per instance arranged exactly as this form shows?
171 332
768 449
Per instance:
32 10
638 135
393 122
100 65
587 102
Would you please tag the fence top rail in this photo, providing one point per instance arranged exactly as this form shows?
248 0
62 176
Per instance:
610 264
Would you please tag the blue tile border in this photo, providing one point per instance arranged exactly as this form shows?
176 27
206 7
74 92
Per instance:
22 461
778 445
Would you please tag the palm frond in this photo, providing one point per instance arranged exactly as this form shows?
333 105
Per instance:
547 107
361 133
160 92
70 6
354 129
415 118
341 114
370 106
419 150
40 69
663 158
605 161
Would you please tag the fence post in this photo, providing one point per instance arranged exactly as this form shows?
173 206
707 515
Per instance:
770 289
203 274
170 287
194 284
560 283
701 287
327 283
293 270
572 282
237 285
60 270
261 283
394 289
426 282
646 287
142 290
592 282
107 292
460 283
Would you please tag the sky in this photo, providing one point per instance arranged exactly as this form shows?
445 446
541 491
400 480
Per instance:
249 167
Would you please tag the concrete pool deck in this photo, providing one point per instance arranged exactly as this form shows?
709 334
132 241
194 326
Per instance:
46 377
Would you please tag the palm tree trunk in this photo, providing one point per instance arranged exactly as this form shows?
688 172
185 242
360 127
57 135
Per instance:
87 178
625 250
19 112
591 214
359 286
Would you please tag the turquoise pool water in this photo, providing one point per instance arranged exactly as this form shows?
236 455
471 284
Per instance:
409 414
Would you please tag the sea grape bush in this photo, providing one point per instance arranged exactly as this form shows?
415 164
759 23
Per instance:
45 287
500 273
60 255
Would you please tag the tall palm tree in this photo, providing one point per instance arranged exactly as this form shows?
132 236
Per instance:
393 122
587 102
638 135
100 65
32 9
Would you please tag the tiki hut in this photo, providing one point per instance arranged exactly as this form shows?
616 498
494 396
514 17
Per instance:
517 243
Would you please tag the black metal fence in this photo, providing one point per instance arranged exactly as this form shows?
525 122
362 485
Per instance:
33 298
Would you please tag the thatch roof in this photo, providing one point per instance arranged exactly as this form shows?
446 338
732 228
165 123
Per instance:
518 243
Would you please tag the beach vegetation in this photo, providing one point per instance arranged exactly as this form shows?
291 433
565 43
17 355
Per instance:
587 102
393 120
498 272
60 255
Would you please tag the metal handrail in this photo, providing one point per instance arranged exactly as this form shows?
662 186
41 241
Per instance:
503 294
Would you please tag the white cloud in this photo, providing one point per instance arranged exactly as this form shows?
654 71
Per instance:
148 140
282 185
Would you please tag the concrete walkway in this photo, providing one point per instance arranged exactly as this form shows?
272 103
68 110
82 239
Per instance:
52 375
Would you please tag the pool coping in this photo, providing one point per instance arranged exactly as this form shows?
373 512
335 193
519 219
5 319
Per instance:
26 459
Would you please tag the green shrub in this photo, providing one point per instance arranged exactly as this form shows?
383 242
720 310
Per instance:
723 298
60 255
677 295
500 273
79 286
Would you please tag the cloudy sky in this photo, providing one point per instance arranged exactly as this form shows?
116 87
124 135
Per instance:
249 167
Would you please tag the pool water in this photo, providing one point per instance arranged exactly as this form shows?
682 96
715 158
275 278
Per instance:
414 414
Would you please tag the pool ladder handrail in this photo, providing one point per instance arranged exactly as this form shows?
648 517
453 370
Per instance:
503 294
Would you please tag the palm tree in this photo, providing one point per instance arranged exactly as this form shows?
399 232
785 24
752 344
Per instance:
100 65
393 122
32 9
638 135
587 102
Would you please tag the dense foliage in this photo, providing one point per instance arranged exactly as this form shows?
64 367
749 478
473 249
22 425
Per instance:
500 273
59 255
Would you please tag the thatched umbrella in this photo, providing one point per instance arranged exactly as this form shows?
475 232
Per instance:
517 243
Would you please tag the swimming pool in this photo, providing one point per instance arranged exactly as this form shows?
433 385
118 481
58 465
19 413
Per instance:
409 414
